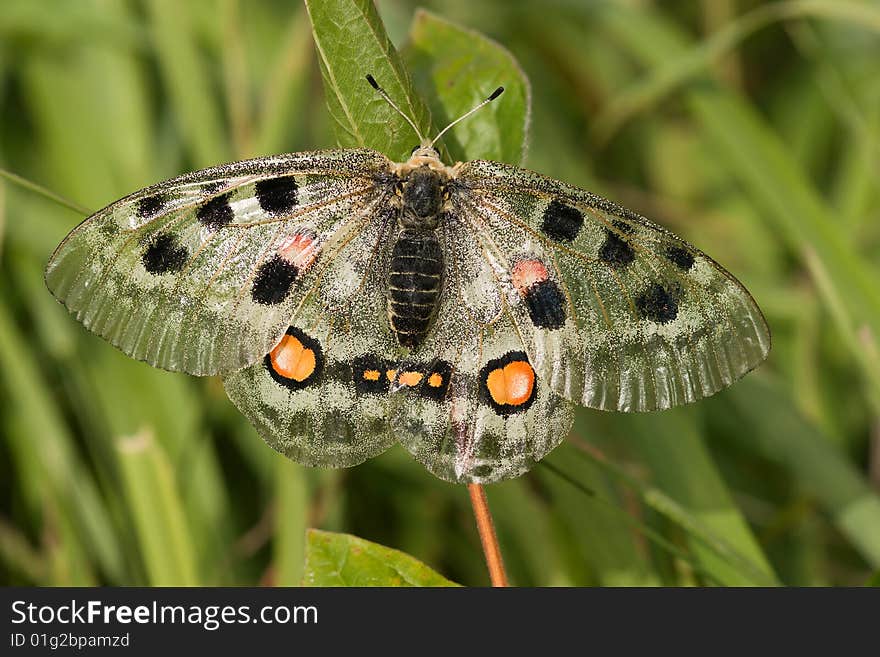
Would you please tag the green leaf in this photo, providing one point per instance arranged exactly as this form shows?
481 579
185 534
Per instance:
457 68
351 42
343 560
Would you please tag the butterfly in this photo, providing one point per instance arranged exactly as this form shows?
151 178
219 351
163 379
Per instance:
350 302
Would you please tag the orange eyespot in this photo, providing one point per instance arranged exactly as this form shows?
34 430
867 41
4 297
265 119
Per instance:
435 380
512 384
410 379
371 375
391 374
292 360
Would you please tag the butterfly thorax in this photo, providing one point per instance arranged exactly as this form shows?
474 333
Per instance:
416 271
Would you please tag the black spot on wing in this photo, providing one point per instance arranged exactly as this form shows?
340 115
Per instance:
616 251
681 258
216 213
435 384
273 280
658 304
277 195
368 372
546 305
164 255
562 222
150 206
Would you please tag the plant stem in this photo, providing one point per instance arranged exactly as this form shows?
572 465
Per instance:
487 535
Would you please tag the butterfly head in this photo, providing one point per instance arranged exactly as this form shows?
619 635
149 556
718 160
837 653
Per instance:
424 151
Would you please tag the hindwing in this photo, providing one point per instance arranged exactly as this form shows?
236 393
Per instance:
320 395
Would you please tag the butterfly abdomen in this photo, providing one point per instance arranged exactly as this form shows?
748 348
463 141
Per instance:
414 284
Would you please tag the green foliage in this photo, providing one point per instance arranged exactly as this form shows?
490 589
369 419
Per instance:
344 560
351 42
455 69
753 135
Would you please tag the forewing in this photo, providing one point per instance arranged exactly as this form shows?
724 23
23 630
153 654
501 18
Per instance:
201 273
320 396
616 312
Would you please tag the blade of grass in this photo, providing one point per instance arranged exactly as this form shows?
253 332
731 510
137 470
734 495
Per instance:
17 554
157 511
69 560
291 522
523 525
687 64
42 191
695 527
643 528
188 81
600 532
285 93
45 455
236 83
80 105
128 396
682 467
768 422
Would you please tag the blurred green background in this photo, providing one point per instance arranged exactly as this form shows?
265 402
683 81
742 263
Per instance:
749 128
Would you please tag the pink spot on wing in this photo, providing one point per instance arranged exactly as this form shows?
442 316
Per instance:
300 249
527 273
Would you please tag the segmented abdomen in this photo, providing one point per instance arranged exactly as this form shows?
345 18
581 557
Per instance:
414 284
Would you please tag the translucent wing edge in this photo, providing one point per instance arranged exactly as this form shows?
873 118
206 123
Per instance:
628 393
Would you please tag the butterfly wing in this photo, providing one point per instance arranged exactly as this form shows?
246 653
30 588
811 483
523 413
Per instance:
468 405
201 273
320 396
615 312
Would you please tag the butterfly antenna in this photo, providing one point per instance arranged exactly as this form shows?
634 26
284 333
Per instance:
461 118
388 100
